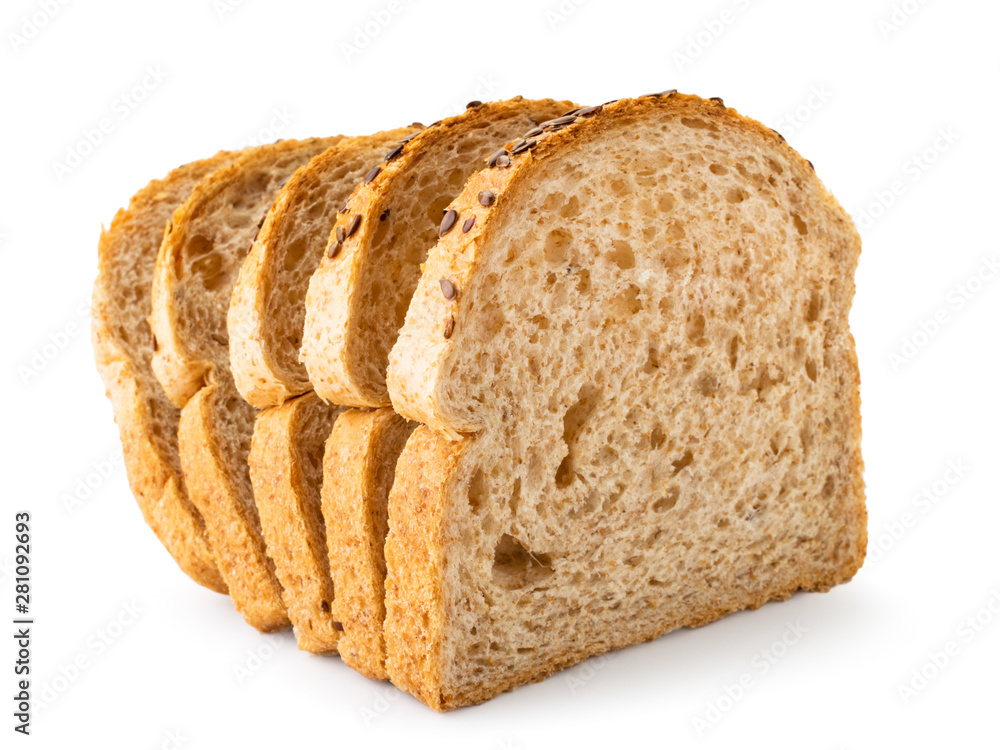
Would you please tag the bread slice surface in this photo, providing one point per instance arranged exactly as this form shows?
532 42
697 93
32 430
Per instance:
357 298
193 280
358 470
267 311
641 395
286 469
123 350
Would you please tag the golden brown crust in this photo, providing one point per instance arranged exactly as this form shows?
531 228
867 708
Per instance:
359 464
856 524
346 474
414 554
152 464
158 490
429 466
234 529
291 524
261 376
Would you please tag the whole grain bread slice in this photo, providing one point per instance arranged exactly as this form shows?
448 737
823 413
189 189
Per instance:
358 296
358 470
267 311
286 468
640 394
123 349
195 272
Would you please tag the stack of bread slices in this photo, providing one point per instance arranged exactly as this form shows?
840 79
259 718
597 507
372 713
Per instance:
469 403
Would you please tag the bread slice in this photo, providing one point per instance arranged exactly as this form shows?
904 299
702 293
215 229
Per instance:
267 311
358 469
213 437
358 296
286 468
640 395
192 284
123 349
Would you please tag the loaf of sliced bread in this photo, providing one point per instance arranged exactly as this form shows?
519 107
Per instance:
286 468
196 269
639 392
123 348
358 470
267 311
358 296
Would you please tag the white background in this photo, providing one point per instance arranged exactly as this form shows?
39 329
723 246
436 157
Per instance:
873 92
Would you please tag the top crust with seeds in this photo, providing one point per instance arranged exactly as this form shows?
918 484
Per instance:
267 311
358 296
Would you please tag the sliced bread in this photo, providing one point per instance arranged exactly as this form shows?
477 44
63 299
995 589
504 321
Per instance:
286 468
358 469
358 296
640 398
265 330
361 451
192 285
267 311
123 348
